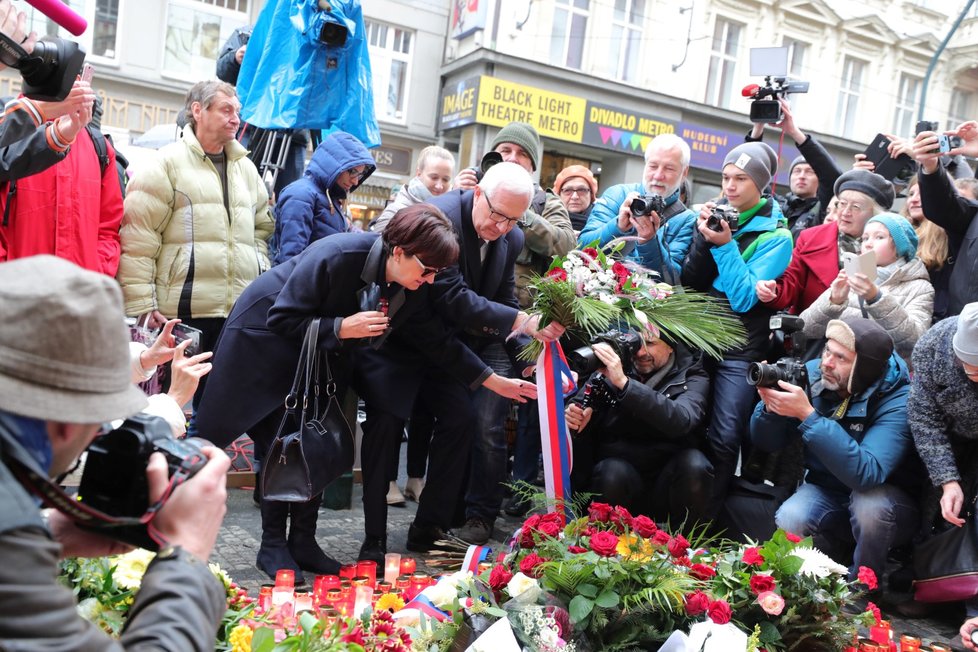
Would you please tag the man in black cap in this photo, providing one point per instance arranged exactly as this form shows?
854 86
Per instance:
859 497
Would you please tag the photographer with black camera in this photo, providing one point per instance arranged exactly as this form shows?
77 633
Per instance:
729 255
636 421
64 370
859 498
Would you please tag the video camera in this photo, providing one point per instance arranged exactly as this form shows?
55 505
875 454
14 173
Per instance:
625 345
49 71
114 480
790 368
646 204
723 213
772 64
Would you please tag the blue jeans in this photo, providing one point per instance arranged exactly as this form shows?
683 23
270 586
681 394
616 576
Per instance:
733 403
487 470
865 523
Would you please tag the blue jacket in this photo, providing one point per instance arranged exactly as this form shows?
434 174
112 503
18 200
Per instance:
310 208
869 445
674 238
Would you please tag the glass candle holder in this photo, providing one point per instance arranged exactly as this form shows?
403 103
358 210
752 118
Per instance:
303 600
334 597
361 580
384 587
285 577
350 570
392 567
408 565
362 597
367 568
265 597
402 581
282 595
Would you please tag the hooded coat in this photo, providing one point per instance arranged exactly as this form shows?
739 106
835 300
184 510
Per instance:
311 207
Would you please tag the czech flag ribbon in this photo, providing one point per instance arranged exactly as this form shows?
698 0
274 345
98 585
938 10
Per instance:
554 383
423 604
474 556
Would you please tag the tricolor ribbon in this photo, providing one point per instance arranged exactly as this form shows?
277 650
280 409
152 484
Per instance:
474 556
554 383
423 604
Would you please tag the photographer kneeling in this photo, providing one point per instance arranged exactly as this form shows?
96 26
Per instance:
636 431
859 497
64 371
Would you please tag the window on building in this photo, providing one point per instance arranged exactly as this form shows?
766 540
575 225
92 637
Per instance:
626 39
908 98
390 64
100 40
852 79
195 32
797 52
723 63
963 107
569 29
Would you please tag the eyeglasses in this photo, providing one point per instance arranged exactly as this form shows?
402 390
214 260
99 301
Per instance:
426 271
583 190
510 221
357 173
842 206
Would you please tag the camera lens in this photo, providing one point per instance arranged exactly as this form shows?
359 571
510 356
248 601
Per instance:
583 360
764 375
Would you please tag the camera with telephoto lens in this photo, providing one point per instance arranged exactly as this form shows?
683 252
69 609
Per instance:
114 479
790 368
727 214
624 344
488 160
646 205
49 70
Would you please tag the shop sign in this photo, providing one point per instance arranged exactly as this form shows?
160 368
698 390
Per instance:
709 146
396 160
458 103
554 115
468 16
625 131
372 195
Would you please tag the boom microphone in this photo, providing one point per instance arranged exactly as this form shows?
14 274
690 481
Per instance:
62 14
750 90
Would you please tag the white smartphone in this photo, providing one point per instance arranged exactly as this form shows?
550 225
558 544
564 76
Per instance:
87 72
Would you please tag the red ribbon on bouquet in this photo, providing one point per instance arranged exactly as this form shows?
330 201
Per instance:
554 383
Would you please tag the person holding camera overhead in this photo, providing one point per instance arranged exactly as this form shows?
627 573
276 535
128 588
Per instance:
64 371
736 245
636 425
664 235
859 497
900 297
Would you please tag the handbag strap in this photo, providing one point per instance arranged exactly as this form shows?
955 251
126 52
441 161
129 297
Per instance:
300 384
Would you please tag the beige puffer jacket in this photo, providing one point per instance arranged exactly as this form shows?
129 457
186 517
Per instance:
181 254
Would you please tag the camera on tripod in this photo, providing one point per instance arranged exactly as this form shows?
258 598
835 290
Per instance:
646 204
625 345
114 481
772 64
790 368
723 213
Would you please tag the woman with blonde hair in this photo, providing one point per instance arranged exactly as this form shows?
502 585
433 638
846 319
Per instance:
432 177
934 249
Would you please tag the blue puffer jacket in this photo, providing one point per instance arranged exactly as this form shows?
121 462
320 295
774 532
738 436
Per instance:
672 241
869 445
310 208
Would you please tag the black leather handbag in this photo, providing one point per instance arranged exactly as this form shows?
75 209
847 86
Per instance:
946 563
302 462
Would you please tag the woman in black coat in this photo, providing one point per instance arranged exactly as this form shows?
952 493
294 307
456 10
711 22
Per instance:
336 279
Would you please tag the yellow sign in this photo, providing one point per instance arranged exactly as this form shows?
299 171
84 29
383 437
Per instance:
554 115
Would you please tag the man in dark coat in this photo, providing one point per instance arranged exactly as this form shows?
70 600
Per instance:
638 440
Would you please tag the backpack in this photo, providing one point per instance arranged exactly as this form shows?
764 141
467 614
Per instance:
102 151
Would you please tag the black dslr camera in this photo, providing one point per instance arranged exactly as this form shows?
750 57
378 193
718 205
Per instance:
727 214
114 480
647 204
488 160
791 368
625 345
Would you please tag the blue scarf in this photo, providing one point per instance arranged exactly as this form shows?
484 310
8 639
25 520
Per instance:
33 436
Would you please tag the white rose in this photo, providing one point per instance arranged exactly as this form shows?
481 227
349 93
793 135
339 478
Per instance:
520 584
442 594
817 563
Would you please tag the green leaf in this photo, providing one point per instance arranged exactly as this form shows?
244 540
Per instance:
580 609
607 599
587 590
263 640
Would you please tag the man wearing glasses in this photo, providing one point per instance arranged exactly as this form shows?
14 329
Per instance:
943 416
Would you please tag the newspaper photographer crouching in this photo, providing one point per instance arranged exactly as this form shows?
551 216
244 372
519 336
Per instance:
636 427
64 371
860 494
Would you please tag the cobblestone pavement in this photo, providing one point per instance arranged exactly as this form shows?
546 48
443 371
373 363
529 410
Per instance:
340 533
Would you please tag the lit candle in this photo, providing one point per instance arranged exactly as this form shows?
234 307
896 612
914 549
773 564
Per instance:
285 578
362 599
350 570
392 566
367 568
408 565
303 601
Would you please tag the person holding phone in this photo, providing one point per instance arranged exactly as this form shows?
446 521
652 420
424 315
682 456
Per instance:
899 297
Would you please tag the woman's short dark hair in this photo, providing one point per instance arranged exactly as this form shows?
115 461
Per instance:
422 230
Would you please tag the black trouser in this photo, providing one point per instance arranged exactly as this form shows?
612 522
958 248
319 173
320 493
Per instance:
419 430
450 404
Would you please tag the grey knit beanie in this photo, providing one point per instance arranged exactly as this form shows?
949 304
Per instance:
965 339
522 134
798 159
756 159
870 184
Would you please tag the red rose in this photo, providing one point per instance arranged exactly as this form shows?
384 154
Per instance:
499 577
549 529
604 543
868 577
577 550
644 526
719 612
761 583
702 571
532 522
752 557
589 531
678 545
557 274
552 517
530 563
621 518
600 512
619 270
696 603
681 561
526 538
661 538
793 538
591 252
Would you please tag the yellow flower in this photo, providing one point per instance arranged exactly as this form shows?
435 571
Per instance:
389 602
633 547
130 568
240 638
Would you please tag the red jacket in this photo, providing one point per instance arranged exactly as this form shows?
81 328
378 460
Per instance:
814 265
70 210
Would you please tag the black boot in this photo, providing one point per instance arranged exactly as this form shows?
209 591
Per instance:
302 539
274 552
374 549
